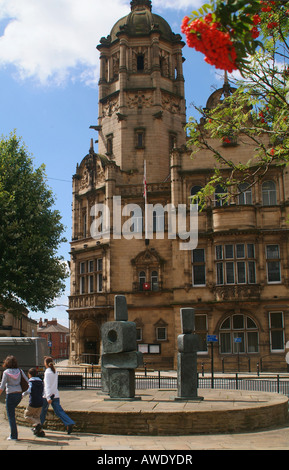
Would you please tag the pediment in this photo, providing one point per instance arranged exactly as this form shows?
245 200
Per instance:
148 257
160 324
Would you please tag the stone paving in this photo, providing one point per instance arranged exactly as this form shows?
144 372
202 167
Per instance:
270 439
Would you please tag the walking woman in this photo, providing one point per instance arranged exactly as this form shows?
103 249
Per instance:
11 380
51 396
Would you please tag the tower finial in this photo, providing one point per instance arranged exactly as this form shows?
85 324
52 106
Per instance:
91 150
141 3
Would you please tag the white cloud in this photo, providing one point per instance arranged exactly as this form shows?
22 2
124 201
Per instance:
45 40
50 41
189 5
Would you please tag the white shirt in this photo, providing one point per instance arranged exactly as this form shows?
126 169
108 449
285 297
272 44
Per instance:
50 384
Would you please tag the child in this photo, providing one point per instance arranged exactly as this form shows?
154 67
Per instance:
33 410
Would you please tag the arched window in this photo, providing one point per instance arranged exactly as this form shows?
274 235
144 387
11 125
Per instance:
221 196
194 192
269 193
147 271
155 280
142 279
245 196
239 334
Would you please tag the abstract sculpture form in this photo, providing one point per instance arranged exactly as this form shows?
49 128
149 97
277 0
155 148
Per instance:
187 358
119 355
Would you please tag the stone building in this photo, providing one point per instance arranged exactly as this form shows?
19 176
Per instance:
12 325
236 277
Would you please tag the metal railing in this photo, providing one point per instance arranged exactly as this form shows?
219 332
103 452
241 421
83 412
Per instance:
87 378
273 383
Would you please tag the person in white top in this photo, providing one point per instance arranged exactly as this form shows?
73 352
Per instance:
51 396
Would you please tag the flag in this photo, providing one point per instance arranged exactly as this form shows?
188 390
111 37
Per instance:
145 181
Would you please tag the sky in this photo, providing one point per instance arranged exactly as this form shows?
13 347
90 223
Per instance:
49 70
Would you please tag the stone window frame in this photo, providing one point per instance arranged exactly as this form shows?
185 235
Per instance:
140 135
243 330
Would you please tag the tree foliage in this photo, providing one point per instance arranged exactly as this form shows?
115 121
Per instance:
257 112
31 273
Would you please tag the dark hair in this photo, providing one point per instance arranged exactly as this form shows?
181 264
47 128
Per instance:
10 363
48 361
33 372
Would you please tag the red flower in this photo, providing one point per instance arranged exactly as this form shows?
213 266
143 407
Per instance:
256 19
185 24
206 37
272 25
255 33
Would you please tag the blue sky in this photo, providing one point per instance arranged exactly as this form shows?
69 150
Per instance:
48 84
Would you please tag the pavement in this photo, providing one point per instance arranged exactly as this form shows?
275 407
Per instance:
276 438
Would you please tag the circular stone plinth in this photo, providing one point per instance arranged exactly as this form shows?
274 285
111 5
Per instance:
158 413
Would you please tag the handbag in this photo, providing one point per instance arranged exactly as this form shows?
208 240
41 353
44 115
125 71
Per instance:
23 383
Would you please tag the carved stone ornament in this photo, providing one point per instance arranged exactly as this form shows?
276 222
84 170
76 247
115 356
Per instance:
84 182
171 103
148 258
139 100
110 107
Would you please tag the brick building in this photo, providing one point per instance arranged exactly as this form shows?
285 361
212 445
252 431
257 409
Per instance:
57 337
237 277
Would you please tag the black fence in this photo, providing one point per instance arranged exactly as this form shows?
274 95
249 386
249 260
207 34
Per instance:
86 378
272 383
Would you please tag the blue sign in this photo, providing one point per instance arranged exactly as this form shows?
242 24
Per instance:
212 338
237 340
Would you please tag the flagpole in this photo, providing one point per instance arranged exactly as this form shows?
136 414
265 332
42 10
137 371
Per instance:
146 198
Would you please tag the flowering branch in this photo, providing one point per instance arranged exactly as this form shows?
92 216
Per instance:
257 113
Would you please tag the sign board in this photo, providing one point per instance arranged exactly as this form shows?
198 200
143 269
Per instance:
237 340
212 338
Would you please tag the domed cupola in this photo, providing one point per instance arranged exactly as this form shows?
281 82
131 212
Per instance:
142 22
219 95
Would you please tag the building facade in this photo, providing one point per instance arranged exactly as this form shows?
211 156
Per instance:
12 325
236 277
57 337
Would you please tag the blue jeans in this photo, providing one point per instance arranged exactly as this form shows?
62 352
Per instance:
58 410
12 400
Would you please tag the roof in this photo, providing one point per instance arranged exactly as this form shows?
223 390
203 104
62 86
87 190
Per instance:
141 23
53 329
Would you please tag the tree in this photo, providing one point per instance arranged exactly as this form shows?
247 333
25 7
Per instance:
31 273
251 38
